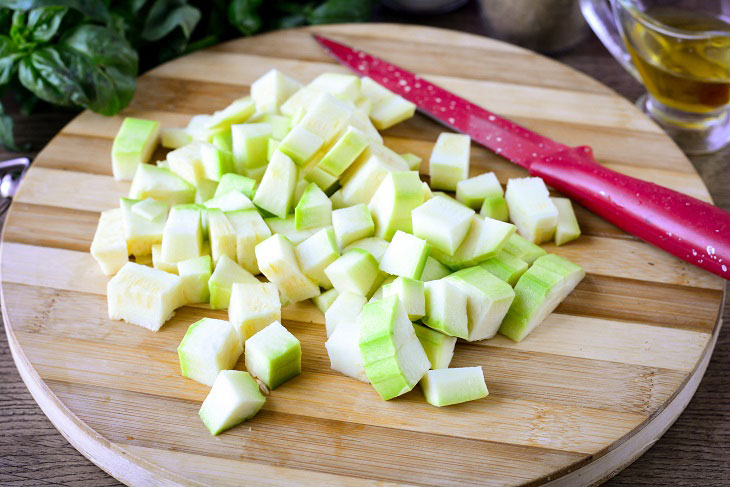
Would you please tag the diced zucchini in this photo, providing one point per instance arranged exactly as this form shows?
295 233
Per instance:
444 387
567 228
234 398
221 234
531 209
343 86
345 311
324 180
273 355
174 138
485 238
414 162
449 161
434 270
160 264
144 296
351 224
109 247
363 177
195 274
314 209
216 161
236 113
133 145
316 253
442 222
301 145
150 209
276 191
506 267
344 152
411 293
390 111
439 348
325 300
182 238
272 89
278 262
327 117
356 271
253 306
161 184
287 228
141 234
473 191
523 249
250 230
394 200
236 182
208 347
343 343
446 308
205 190
220 285
250 145
230 201
487 300
405 256
495 207
393 358
187 163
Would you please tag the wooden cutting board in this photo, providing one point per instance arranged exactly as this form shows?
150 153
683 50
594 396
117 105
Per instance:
584 395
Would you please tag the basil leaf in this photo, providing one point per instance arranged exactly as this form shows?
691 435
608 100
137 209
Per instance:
166 16
244 15
8 59
94 9
49 77
335 11
43 22
106 64
6 131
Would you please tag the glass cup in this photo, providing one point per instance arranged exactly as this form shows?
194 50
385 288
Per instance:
680 51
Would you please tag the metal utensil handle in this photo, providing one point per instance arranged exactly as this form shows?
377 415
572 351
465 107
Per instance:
11 173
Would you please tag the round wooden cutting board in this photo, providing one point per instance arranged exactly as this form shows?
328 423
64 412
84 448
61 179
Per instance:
584 395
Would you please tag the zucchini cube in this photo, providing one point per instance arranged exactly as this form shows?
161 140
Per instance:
531 209
236 113
351 224
272 89
446 308
324 180
316 253
495 207
182 237
444 387
160 264
109 247
392 356
221 234
405 256
443 223
487 300
140 233
345 310
276 191
301 145
150 209
485 238
327 117
236 182
390 111
208 347
411 293
287 228
434 270
174 138
343 86
363 177
250 145
325 300
195 274
133 145
376 246
449 161
220 285
356 271
161 184
314 209
278 262
216 161
344 152
186 162
473 191
414 162
567 228
253 306
523 249
234 398
144 296
394 200
230 201
506 267
250 230
439 348
273 355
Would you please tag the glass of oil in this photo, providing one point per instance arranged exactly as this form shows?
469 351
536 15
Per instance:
680 51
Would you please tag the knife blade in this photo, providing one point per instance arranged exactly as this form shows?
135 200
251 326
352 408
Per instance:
688 228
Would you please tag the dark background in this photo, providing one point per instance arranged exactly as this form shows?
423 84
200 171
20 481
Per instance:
695 450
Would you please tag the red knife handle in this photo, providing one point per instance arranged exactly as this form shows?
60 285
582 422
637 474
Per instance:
686 227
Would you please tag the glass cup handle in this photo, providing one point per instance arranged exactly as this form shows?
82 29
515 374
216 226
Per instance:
600 17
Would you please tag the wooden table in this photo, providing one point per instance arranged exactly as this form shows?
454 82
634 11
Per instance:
695 450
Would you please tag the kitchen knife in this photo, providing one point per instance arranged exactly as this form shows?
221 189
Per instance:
688 228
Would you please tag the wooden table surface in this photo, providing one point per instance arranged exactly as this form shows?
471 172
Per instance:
696 450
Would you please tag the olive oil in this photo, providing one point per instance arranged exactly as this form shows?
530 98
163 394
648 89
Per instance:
683 71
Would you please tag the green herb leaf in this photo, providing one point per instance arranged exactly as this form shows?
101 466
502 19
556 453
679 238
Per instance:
6 131
166 16
94 9
335 11
47 75
43 22
8 59
244 15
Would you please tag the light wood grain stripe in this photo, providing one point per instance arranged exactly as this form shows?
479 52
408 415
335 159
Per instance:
511 101
576 336
567 381
331 446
